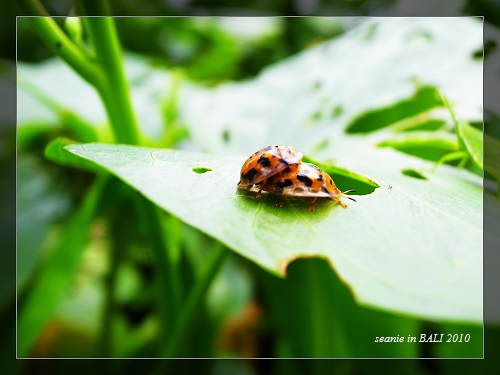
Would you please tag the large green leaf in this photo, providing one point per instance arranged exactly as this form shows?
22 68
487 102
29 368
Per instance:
412 246
382 72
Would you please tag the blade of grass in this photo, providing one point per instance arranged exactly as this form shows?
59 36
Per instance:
57 270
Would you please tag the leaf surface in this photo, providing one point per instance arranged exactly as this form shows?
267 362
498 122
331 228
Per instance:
414 247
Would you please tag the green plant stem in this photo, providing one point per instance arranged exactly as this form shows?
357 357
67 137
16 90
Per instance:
114 90
172 226
59 43
120 233
196 295
104 345
106 73
165 282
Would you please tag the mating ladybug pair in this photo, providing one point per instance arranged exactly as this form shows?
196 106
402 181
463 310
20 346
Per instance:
279 170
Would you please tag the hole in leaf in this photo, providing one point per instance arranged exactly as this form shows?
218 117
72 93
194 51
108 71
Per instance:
201 170
413 173
427 125
425 98
345 179
432 149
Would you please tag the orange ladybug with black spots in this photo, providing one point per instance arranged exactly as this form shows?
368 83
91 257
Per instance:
265 163
305 180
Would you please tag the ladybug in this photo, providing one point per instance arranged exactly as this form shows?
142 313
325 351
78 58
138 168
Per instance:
305 180
265 163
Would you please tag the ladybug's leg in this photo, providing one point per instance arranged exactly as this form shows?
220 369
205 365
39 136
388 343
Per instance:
259 193
311 206
340 202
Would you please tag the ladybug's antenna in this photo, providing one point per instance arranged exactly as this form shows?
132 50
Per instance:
348 197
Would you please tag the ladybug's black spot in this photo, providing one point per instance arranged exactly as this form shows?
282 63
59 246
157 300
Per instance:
304 179
286 170
264 161
250 175
320 177
283 161
283 185
331 181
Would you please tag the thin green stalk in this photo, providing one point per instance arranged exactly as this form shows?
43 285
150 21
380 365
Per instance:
120 232
172 226
104 345
165 279
115 92
57 41
106 73
196 295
